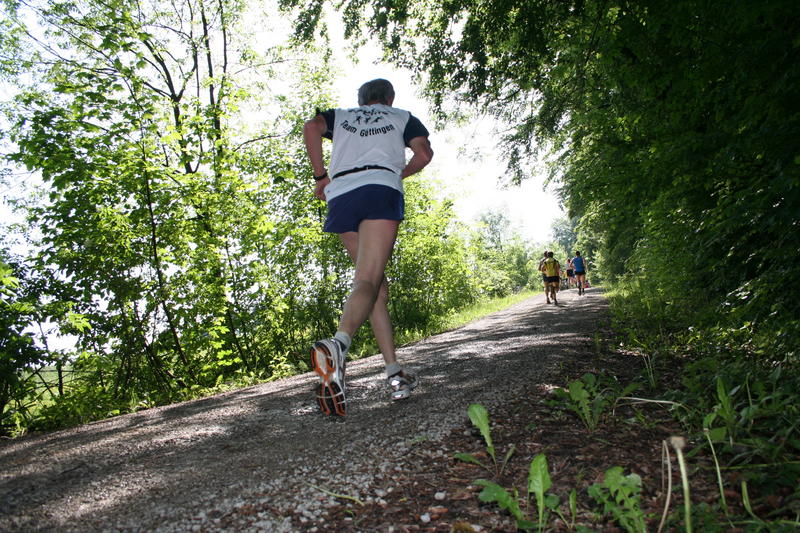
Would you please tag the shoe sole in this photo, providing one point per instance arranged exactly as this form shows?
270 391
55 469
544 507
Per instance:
330 396
326 402
401 395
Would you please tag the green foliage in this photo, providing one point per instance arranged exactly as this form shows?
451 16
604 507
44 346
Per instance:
585 399
480 419
507 501
430 273
589 398
742 404
8 283
78 406
753 420
539 484
620 496
564 233
538 479
18 351
176 243
502 262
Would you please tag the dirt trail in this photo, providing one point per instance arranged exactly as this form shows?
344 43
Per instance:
263 458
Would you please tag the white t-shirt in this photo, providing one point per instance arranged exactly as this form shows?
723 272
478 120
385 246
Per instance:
369 135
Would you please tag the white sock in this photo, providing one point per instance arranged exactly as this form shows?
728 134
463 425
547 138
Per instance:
392 369
344 338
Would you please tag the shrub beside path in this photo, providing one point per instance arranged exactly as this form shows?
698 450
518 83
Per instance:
263 458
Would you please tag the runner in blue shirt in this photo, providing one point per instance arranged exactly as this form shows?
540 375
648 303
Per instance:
579 265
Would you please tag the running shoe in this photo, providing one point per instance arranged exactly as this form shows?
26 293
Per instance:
402 384
328 360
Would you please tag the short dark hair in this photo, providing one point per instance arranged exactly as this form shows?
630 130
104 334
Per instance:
549 254
378 90
577 253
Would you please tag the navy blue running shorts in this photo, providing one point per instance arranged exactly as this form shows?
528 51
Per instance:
368 202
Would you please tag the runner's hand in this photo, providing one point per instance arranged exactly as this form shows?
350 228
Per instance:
319 188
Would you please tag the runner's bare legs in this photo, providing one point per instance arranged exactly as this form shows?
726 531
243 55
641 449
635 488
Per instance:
379 313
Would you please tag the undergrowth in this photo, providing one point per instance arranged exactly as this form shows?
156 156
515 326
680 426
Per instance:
738 407
738 401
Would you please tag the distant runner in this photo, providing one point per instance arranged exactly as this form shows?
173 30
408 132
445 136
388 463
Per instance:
541 262
552 277
570 274
580 271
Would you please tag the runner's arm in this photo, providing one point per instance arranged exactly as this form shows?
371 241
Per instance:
423 153
312 135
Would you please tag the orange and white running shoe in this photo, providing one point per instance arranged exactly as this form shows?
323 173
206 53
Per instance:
328 360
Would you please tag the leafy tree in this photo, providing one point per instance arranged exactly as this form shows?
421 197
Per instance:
169 214
564 233
429 272
502 260
495 228
18 351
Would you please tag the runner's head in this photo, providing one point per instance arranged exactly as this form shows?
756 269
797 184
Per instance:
376 91
577 254
549 254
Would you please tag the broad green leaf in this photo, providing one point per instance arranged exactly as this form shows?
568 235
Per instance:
539 476
717 434
493 492
480 418
468 458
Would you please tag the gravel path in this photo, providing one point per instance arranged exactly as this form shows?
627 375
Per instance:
263 458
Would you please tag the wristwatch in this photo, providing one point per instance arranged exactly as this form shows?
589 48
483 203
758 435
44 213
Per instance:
321 177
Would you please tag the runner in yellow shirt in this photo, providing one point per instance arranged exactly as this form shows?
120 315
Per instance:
552 277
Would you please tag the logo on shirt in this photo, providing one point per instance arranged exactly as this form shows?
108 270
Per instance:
369 120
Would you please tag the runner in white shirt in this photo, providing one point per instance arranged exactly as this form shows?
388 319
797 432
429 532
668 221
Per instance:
364 191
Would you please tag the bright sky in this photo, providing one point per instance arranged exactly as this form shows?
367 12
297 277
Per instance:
464 157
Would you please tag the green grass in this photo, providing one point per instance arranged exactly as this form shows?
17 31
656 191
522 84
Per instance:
464 316
483 308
